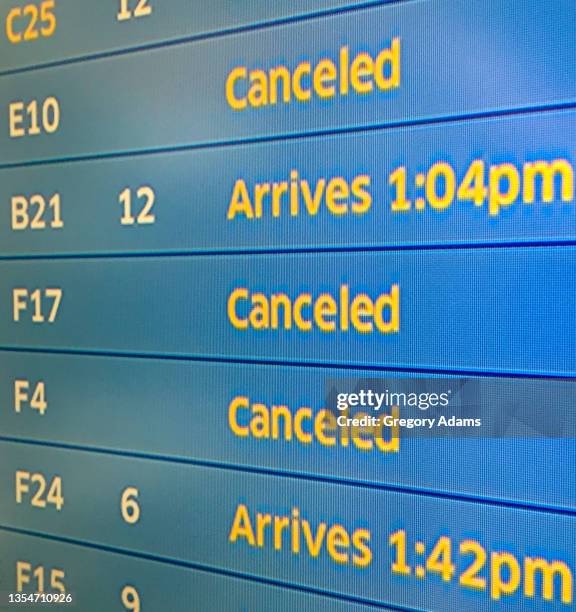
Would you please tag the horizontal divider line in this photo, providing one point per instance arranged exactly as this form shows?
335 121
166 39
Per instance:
264 251
205 568
221 33
294 136
299 476
288 363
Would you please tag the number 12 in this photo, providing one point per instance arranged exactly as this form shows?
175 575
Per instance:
142 10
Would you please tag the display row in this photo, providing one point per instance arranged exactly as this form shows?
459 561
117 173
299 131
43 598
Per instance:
387 547
396 63
484 181
98 581
284 420
498 310
39 32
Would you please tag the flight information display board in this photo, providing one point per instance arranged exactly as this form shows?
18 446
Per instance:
287 313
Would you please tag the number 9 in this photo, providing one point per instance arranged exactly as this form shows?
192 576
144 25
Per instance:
131 599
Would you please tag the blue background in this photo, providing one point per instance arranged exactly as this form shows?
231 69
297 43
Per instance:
141 363
483 310
194 190
457 58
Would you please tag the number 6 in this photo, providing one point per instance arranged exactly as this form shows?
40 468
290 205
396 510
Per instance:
130 507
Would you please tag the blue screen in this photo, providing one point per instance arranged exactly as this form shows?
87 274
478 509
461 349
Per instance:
287 314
